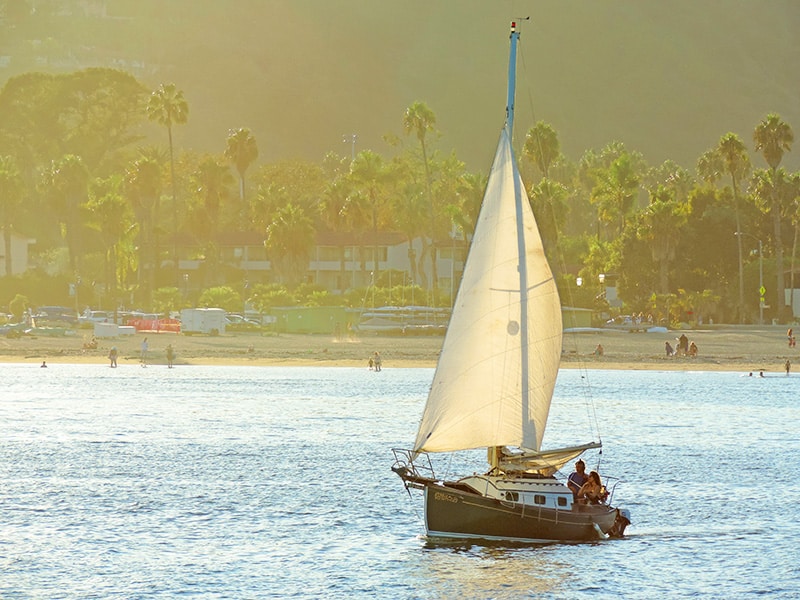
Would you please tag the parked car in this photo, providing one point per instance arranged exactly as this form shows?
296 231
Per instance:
56 313
96 316
235 322
627 323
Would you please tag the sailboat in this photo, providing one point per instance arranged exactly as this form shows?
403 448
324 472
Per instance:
494 382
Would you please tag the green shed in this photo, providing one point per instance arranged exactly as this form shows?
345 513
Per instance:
576 317
311 319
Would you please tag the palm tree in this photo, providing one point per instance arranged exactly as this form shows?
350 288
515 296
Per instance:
710 166
334 200
771 193
369 174
168 107
615 190
241 150
542 147
470 194
793 197
210 181
10 196
661 225
356 216
548 201
737 165
65 184
421 120
290 240
773 137
143 190
111 216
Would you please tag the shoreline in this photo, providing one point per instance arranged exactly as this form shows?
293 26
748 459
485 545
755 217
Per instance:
722 348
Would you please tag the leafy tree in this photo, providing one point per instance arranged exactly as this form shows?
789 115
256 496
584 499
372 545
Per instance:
10 197
65 184
241 150
264 297
111 216
290 239
18 306
100 111
167 300
224 297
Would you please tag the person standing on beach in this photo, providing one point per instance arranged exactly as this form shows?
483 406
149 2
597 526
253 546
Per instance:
170 356
143 357
112 356
787 366
377 361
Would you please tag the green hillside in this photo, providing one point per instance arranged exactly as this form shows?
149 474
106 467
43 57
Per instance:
668 78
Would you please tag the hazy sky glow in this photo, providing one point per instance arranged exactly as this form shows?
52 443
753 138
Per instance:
668 78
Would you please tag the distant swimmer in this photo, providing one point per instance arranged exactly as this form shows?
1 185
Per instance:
44 365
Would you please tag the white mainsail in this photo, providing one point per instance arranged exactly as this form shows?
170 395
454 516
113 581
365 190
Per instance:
500 356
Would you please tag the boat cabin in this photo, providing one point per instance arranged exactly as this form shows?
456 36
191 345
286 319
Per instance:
545 492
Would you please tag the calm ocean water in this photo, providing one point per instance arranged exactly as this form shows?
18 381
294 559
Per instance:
248 482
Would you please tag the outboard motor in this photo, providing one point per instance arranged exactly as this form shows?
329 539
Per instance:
620 523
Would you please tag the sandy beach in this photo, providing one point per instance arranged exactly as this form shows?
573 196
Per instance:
734 348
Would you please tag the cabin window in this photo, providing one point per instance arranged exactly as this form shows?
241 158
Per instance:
562 501
512 496
539 499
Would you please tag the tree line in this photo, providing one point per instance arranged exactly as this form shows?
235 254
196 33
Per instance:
113 215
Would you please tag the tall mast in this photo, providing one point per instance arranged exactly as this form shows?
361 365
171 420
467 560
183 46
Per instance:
512 79
519 198
495 452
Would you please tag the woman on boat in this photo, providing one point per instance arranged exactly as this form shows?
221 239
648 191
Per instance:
592 492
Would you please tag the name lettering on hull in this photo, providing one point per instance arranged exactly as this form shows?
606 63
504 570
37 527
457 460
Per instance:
444 497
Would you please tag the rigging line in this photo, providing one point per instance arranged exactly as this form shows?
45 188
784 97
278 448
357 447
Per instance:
561 258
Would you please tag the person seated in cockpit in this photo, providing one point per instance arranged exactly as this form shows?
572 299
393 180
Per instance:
592 492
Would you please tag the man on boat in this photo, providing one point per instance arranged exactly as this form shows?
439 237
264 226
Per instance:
577 478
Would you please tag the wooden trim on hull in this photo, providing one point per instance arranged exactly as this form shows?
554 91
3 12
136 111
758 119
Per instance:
452 513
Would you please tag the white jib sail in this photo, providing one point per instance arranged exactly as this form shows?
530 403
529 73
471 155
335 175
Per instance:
482 394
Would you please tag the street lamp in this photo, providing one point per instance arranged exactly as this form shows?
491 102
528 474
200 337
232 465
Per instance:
761 289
